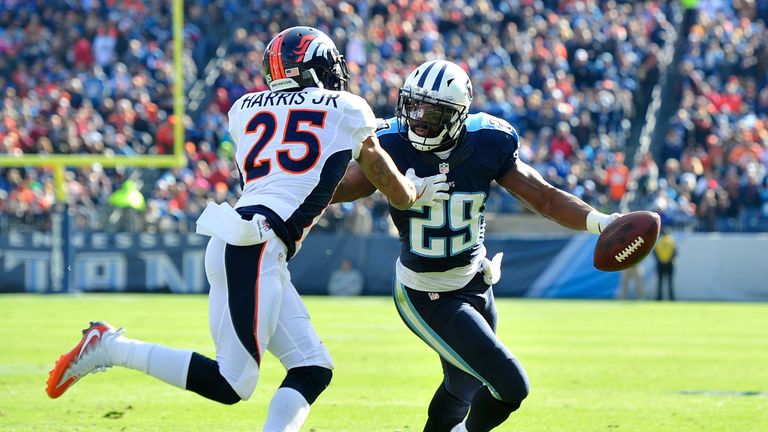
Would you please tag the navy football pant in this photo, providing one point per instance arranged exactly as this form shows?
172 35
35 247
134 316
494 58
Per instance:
460 325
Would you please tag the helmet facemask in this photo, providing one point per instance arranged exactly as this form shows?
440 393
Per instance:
431 122
337 77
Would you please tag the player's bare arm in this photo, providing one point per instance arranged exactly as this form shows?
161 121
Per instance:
537 194
382 173
377 170
353 186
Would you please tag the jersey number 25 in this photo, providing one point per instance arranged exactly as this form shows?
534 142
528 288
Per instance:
266 122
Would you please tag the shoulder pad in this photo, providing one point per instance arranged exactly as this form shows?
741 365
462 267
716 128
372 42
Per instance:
353 102
486 121
386 126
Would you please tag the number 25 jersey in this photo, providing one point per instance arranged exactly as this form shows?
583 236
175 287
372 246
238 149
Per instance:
292 149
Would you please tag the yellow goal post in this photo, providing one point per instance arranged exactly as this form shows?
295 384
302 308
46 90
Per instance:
59 161
62 254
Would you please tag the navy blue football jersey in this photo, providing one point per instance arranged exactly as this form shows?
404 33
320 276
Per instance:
450 234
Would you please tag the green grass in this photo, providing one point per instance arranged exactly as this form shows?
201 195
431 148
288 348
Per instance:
594 366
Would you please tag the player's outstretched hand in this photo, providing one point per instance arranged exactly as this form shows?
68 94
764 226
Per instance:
429 190
492 269
597 221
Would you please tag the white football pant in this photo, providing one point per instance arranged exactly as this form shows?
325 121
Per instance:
267 314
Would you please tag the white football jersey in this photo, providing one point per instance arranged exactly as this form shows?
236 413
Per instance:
292 149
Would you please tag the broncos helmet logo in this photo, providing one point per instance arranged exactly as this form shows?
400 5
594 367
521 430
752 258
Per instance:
303 45
312 46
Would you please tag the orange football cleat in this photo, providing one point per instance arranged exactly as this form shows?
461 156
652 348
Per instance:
90 355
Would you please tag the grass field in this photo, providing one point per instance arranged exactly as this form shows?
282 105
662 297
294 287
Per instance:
594 366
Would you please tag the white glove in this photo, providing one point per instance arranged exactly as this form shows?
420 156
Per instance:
597 221
492 269
429 190
261 231
224 222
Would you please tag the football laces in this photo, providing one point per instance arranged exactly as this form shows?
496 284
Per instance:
629 250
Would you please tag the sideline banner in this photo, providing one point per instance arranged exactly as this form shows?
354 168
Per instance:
128 262
709 266
107 262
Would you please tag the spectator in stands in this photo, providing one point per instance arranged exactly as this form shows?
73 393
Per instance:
617 177
563 141
346 280
646 174
719 125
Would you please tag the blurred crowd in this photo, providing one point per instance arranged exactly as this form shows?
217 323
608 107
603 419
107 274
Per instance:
91 77
95 77
712 165
566 74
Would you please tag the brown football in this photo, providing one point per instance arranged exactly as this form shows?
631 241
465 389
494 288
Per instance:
626 241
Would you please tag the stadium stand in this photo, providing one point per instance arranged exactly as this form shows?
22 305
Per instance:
711 153
575 77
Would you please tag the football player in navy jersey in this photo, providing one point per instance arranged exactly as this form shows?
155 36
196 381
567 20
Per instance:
443 280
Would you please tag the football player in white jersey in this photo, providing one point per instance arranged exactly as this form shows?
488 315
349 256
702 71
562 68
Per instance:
294 143
443 279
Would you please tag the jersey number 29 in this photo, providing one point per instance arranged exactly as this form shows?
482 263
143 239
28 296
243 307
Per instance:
266 122
461 213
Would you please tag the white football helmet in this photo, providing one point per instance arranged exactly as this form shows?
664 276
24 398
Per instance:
434 103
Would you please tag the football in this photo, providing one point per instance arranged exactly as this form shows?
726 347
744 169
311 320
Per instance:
626 241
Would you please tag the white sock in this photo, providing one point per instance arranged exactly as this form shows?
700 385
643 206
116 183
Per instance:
166 364
287 411
461 427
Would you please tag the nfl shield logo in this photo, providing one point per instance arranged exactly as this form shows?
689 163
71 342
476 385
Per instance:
443 168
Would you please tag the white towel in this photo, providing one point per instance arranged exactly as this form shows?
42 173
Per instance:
223 222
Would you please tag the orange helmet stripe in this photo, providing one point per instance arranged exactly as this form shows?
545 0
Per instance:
275 58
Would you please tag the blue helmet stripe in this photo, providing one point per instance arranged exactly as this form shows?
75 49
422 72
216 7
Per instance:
436 85
423 78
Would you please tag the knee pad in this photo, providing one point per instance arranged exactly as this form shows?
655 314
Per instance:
513 397
205 379
513 387
310 381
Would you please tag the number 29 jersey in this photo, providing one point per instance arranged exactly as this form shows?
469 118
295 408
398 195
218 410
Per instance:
442 245
292 149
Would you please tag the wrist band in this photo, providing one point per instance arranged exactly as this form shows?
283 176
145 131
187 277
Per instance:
594 220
